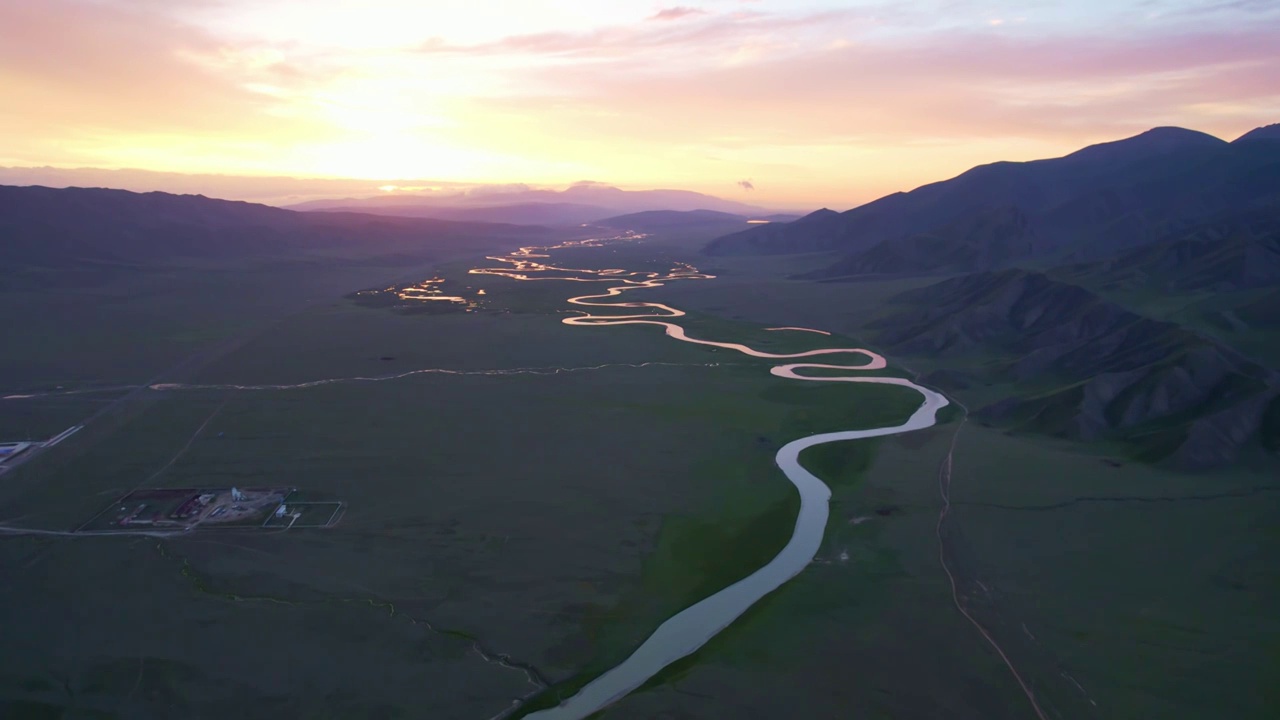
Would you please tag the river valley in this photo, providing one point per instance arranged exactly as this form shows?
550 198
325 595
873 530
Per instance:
691 628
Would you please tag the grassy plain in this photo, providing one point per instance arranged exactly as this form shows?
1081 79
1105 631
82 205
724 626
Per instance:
539 492
548 493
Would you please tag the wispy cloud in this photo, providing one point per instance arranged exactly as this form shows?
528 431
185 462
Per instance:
706 34
675 13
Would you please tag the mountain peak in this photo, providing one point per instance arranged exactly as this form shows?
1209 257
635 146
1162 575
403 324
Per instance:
1156 141
1266 132
1174 133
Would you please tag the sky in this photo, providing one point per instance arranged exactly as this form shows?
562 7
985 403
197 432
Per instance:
782 103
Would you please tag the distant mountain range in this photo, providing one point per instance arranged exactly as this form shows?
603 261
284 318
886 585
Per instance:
524 213
651 220
269 190
450 199
1127 292
705 223
64 228
584 202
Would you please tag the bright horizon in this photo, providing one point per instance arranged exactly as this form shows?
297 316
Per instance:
778 104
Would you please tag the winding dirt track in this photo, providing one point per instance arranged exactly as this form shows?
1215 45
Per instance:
686 631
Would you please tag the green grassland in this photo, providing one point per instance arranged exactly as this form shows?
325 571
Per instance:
556 516
104 326
1118 589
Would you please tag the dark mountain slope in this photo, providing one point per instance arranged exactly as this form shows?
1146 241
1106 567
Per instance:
980 241
1087 368
819 230
1163 195
1263 312
1234 252
1087 204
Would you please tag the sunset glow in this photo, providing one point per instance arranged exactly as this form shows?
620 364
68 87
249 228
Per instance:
819 102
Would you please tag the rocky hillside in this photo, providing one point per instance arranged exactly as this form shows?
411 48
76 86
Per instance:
1087 369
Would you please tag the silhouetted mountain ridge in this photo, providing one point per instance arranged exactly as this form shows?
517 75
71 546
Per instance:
1156 141
582 202
1266 132
1084 205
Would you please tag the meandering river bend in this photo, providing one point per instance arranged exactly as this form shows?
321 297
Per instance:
689 629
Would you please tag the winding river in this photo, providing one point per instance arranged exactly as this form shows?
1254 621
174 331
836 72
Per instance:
689 629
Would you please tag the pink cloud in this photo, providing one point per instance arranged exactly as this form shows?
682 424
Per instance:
981 68
1068 91
630 41
675 13
786 90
